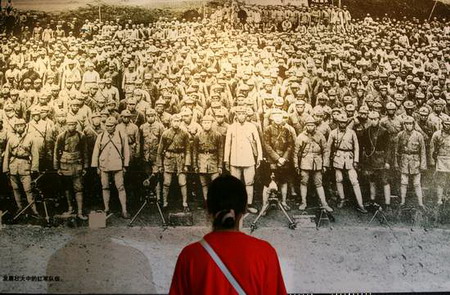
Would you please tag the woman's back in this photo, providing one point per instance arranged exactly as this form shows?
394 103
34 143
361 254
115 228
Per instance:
253 263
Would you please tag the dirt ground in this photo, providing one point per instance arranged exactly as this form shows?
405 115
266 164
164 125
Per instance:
120 259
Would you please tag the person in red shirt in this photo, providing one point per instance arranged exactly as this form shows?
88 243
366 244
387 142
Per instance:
252 262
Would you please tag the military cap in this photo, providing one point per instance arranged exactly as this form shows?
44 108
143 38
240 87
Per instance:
104 112
409 104
215 104
75 102
188 100
408 120
424 111
439 102
436 88
382 86
111 121
244 87
71 120
125 113
363 109
318 110
350 108
220 113
35 111
310 120
332 92
446 120
45 109
353 80
8 107
411 87
279 101
207 118
160 102
322 96
374 115
19 122
268 96
300 102
175 117
186 112
95 115
420 95
102 81
391 106
377 104
241 109
342 118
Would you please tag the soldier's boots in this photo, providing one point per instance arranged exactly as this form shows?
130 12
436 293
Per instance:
323 201
81 216
285 206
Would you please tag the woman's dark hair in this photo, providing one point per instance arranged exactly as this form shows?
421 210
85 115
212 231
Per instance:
227 198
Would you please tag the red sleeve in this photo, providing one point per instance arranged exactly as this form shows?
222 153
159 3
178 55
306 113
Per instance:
274 283
180 283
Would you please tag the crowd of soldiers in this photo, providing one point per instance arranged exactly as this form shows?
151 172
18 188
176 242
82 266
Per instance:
285 18
191 100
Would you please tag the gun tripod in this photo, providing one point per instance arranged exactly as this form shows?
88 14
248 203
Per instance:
378 211
38 198
273 201
150 199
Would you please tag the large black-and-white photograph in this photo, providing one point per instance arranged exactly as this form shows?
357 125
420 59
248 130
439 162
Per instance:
115 117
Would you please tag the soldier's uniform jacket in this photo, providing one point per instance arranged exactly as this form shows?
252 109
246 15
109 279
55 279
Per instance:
21 155
134 140
164 118
393 126
208 151
111 152
71 154
278 143
376 150
82 119
222 129
440 151
3 140
150 138
298 121
44 137
342 149
435 120
410 152
174 151
91 133
309 151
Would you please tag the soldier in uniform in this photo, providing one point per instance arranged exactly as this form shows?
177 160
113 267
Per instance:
278 144
91 132
410 159
309 154
132 179
21 159
207 154
150 135
440 157
342 154
70 160
111 157
376 156
174 158
243 152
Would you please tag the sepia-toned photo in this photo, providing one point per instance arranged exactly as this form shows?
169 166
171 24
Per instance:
117 115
